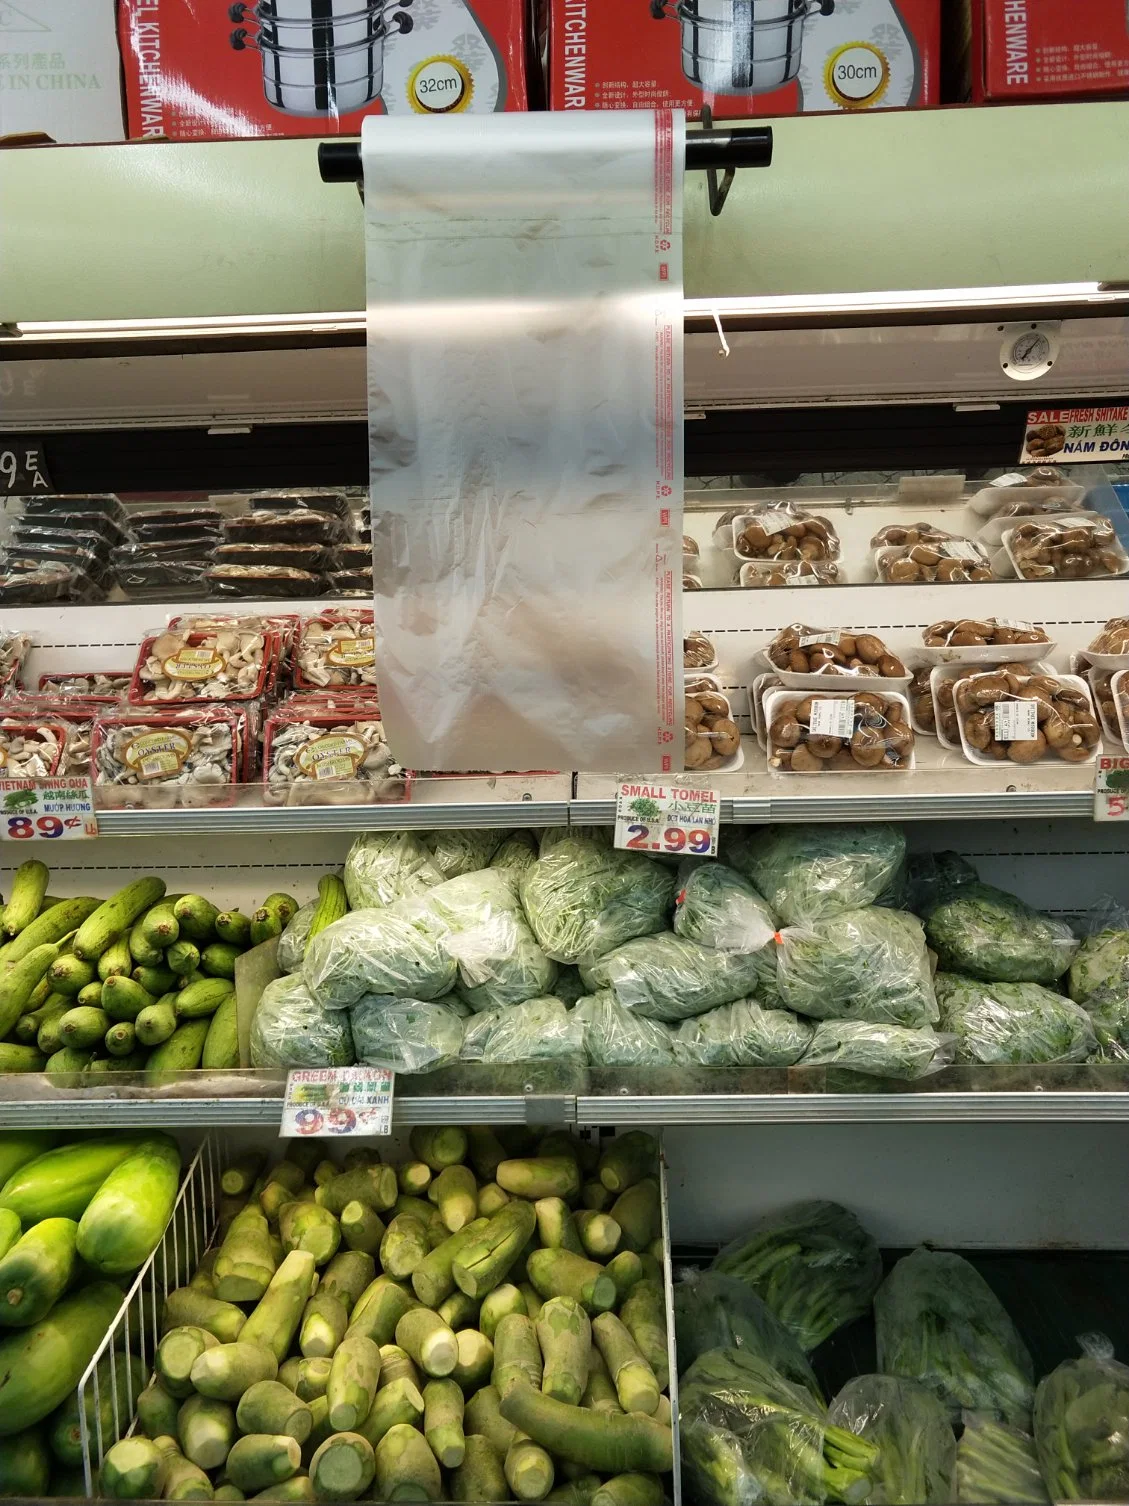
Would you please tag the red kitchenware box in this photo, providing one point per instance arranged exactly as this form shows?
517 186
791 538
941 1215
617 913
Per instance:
198 69
742 57
1044 49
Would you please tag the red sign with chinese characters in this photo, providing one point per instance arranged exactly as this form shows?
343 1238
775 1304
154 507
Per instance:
1048 49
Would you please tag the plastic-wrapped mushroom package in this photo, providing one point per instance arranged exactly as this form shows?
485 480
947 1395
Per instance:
718 908
1082 1425
457 852
583 897
712 1311
619 1037
291 1029
939 1322
485 930
384 866
405 1035
867 965
743 1034
889 1051
997 1465
397 950
668 978
990 934
911 1430
810 873
1013 1022
538 1030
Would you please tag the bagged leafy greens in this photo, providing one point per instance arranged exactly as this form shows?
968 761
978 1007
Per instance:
743 1034
990 934
405 1035
291 1029
813 1264
809 873
712 1311
939 1322
1109 1015
668 978
618 1037
1101 966
997 1466
537 1031
569 987
456 852
292 942
862 965
1013 1022
517 853
930 876
384 866
1082 1426
749 1436
583 897
718 908
878 1050
910 1429
395 951
485 930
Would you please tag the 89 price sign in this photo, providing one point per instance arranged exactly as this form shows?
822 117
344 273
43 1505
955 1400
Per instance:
667 818
47 809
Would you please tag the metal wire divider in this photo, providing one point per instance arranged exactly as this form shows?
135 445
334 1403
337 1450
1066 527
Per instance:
123 1363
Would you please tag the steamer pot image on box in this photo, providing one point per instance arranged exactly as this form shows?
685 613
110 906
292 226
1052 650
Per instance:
741 46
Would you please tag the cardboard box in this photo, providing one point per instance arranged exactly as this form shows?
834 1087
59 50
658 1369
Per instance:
196 69
59 70
629 54
1045 49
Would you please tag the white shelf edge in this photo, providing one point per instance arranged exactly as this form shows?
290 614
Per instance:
281 820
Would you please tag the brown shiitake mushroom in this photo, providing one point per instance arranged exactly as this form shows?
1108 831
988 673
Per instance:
844 760
699 749
891 668
899 738
1056 731
867 747
712 704
694 712
804 761
785 731
1027 750
823 745
697 651
780 758
870 650
724 735
903 571
801 710
979 729
689 545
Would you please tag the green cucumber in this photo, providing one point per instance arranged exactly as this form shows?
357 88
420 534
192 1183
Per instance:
69 1059
124 998
221 1046
91 994
9 1230
41 1365
203 998
113 919
25 1032
47 1037
121 1039
141 949
83 1027
155 980
196 917
67 975
60 1182
29 885
218 960
183 957
18 1147
160 926
234 927
332 904
18 982
116 960
52 926
132 1062
182 1051
25 1464
124 1220
156 1022
22 1058
282 905
36 1272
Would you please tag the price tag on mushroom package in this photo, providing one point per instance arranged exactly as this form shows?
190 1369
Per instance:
667 818
1111 789
48 809
334 1101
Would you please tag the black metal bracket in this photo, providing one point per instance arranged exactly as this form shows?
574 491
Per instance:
710 151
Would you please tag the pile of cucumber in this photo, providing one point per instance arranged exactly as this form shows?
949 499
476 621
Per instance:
141 981
482 1322
76 1221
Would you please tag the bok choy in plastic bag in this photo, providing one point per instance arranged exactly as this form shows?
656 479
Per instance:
910 1429
990 934
538 1030
457 852
712 1311
384 866
997 1465
1082 1426
486 932
1013 1022
889 1051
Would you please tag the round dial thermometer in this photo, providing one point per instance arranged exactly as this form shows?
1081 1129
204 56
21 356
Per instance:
1028 350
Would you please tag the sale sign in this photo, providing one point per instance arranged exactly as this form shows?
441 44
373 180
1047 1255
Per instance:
667 818
61 809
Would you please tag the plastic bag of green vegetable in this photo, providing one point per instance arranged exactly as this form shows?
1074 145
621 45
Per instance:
716 907
939 1322
517 853
295 937
889 1051
584 897
485 930
1082 1425
291 1029
405 1035
539 1030
1101 966
456 852
668 978
813 1264
743 1034
395 950
1013 1022
384 866
749 1436
712 1311
910 1429
618 1037
997 1465
862 965
810 873
990 934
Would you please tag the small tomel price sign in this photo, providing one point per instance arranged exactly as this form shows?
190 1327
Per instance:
668 818
1111 789
60 809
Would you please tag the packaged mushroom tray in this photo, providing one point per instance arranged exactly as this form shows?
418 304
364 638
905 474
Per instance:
838 734
938 561
13 651
983 640
41 722
1110 649
1105 698
335 651
778 531
698 652
1041 491
1019 714
713 739
317 752
162 759
1084 547
100 687
806 658
761 574
231 662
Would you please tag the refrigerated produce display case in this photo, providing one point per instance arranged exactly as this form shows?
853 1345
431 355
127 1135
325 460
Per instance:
889 1026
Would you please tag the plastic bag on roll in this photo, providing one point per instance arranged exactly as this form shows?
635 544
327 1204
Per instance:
668 978
291 1029
394 951
997 1465
486 932
457 852
619 1037
889 1051
718 908
1082 1425
911 1430
808 873
712 1311
863 965
538 1030
384 866
292 943
405 1035
743 1034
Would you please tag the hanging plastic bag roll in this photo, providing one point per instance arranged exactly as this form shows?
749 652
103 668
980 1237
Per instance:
525 424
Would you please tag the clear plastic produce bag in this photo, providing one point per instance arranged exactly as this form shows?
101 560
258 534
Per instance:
1101 965
540 1030
813 1264
391 951
291 1029
716 907
712 1311
749 1436
456 852
584 897
911 1430
618 1037
930 876
295 938
809 873
517 853
1082 1426
668 978
889 1051
938 1321
868 965
1013 1022
486 932
997 1465
405 1035
990 934
384 866
743 1034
